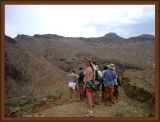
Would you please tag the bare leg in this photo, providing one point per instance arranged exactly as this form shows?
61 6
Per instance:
71 94
105 96
81 91
102 96
74 94
77 92
96 97
90 103
112 99
93 97
116 98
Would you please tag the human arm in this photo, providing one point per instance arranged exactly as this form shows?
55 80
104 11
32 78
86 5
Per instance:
66 76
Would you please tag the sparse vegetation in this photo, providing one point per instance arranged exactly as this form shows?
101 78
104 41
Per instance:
12 104
51 97
36 66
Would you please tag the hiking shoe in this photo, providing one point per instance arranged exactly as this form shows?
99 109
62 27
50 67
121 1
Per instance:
88 114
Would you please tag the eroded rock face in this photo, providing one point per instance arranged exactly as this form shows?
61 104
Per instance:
138 91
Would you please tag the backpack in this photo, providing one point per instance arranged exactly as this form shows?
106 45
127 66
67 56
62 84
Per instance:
98 75
81 76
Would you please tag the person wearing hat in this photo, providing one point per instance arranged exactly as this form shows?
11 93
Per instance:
109 77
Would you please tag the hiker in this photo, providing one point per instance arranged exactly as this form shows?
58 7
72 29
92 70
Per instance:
117 88
97 81
103 88
109 81
98 75
72 78
80 83
89 86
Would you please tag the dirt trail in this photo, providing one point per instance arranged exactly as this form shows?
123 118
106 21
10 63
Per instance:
133 101
62 107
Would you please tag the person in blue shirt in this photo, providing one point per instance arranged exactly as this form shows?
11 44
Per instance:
109 77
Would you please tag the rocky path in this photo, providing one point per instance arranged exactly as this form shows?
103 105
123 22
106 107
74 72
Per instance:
63 108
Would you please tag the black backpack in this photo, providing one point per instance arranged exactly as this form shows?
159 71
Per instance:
81 76
97 79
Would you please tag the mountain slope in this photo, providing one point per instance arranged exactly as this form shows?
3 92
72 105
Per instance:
26 71
36 66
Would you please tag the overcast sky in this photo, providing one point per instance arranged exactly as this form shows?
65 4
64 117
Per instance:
80 20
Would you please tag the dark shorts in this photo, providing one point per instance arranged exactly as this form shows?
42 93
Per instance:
116 93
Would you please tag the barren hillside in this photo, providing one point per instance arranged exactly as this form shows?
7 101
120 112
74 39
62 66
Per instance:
36 67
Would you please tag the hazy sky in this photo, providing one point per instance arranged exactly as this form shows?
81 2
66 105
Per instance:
79 20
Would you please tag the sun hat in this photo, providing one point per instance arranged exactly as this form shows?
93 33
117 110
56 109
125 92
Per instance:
111 66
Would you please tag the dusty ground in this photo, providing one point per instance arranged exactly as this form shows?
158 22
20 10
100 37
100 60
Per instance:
62 107
136 100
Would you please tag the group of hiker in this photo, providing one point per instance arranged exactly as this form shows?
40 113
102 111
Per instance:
91 82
